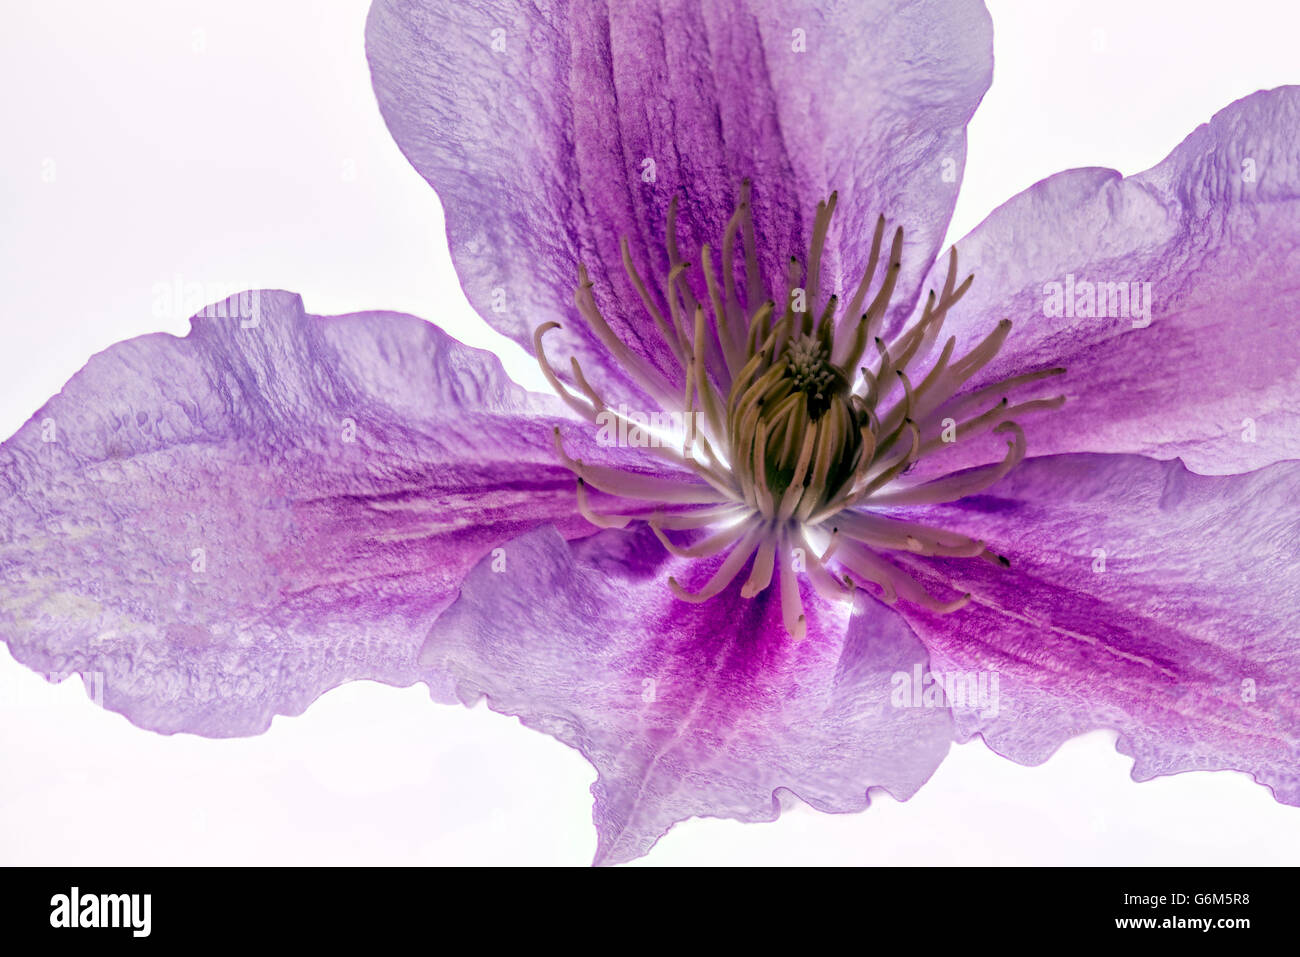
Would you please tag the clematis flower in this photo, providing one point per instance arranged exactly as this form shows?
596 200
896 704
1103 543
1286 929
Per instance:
1064 462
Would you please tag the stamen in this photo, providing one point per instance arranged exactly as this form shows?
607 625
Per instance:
795 490
796 625
894 581
760 575
867 324
953 487
698 518
869 568
957 405
982 423
831 546
884 532
571 400
739 330
712 403
821 224
720 316
665 332
828 450
600 521
641 373
585 387
823 582
762 493
983 353
726 572
792 279
893 470
679 321
705 547
860 296
637 485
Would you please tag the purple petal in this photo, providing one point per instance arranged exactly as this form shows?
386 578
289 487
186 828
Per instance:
535 122
222 527
1141 597
686 710
1215 230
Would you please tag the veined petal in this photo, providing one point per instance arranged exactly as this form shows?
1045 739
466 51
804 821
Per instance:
687 710
1140 597
551 130
1209 242
224 526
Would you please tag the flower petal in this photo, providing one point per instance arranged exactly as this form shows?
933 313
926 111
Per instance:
686 710
1141 597
1214 230
224 526
551 130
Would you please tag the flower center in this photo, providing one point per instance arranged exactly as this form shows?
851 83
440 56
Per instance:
793 431
808 422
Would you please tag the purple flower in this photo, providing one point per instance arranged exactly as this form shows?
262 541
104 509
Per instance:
811 503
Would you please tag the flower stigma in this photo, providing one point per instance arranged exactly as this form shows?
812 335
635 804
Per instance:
804 422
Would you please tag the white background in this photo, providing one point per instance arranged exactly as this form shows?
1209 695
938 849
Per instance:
236 143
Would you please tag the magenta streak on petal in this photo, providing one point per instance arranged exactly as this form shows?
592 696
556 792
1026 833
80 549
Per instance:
1141 597
538 148
227 525
686 710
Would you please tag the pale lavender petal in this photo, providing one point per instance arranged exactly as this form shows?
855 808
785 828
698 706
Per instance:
1141 597
686 710
534 123
1215 231
219 528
